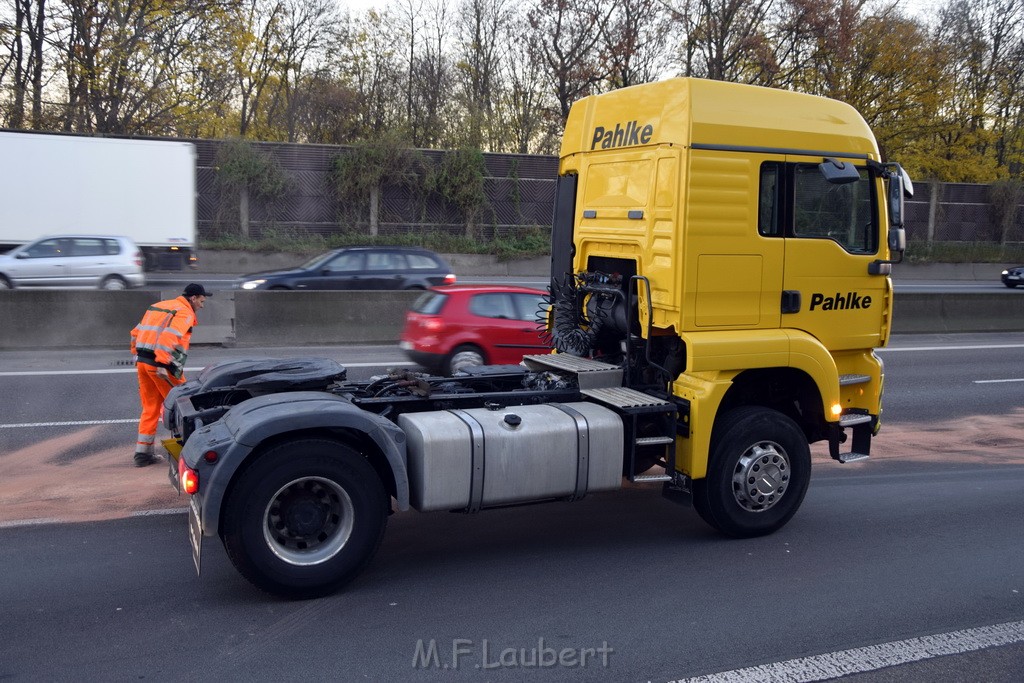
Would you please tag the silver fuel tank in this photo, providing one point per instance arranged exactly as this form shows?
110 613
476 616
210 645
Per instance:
479 458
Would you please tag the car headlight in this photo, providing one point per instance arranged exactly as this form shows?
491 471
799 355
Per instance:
1006 272
252 284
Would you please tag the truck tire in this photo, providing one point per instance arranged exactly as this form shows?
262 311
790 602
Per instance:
758 472
305 518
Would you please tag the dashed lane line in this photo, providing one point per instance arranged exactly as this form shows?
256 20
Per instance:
112 371
864 659
72 423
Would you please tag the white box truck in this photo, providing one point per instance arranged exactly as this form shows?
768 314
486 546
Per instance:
60 183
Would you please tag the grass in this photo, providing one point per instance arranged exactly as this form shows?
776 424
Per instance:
525 243
964 252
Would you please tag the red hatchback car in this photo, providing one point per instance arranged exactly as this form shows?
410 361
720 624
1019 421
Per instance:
450 328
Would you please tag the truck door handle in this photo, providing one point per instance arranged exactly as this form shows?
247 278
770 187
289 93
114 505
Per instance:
790 301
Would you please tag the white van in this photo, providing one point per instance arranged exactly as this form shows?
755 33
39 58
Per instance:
101 261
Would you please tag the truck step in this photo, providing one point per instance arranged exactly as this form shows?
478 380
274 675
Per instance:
643 478
655 440
623 397
590 373
845 380
853 419
852 457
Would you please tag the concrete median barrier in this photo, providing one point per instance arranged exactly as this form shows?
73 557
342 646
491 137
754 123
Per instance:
42 319
967 312
296 318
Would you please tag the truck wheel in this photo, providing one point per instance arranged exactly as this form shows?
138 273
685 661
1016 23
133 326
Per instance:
758 472
463 357
305 518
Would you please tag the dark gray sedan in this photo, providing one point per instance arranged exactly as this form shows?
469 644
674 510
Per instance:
359 268
1013 276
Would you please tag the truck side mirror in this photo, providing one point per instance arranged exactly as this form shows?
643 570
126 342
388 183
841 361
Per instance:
838 172
900 186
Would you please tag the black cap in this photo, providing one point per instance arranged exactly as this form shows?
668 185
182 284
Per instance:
196 290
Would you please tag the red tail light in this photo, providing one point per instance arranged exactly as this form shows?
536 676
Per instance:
138 258
449 279
432 324
189 478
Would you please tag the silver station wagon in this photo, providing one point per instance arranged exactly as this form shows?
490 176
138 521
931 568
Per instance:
100 261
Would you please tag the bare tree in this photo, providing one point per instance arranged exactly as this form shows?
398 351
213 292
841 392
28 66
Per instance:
725 40
567 36
480 51
633 42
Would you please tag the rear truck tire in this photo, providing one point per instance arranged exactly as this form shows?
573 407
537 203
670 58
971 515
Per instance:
305 519
758 472
113 283
464 356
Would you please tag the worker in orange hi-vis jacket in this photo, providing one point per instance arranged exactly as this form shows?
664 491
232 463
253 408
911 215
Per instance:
160 346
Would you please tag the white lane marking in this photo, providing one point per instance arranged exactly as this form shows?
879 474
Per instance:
165 511
871 658
28 522
997 381
980 347
20 523
40 373
73 423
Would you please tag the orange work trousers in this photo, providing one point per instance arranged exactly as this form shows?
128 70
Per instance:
153 389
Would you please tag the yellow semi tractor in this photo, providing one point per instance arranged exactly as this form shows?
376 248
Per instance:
720 280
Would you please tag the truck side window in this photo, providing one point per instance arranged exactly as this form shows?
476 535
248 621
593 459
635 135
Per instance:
768 223
842 213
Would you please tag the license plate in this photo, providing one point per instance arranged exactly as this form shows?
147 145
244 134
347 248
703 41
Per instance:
195 532
1013 277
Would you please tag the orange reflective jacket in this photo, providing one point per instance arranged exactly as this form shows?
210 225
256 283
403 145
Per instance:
163 336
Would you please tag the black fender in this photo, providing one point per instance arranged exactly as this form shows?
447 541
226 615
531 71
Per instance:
252 422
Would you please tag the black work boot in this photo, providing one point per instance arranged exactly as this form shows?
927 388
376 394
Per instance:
143 459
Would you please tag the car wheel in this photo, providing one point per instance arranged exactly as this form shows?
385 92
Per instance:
5 283
278 288
114 283
464 356
758 473
305 518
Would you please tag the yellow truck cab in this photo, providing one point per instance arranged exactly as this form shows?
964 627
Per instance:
733 244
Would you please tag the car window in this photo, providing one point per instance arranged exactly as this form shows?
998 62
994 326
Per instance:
47 249
385 260
422 262
111 247
345 262
493 306
530 307
429 303
88 246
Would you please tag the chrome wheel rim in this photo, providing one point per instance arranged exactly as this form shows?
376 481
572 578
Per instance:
308 521
761 476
